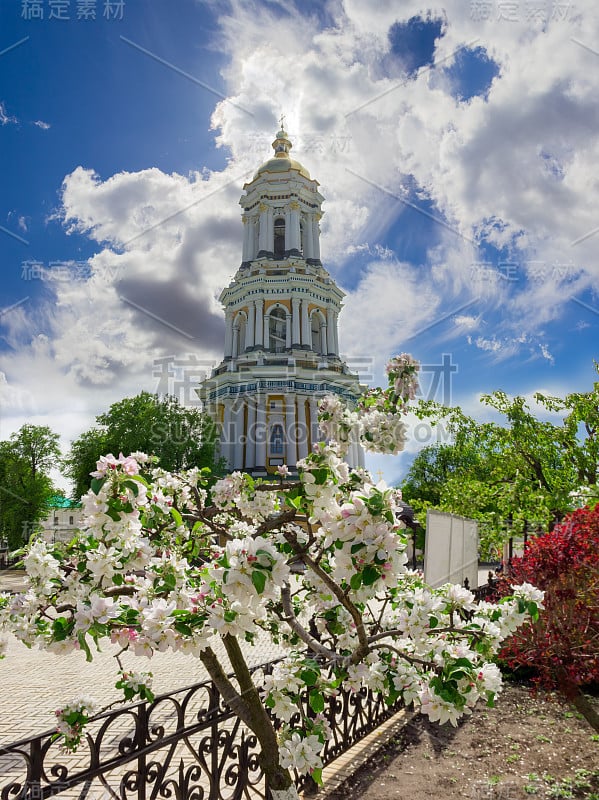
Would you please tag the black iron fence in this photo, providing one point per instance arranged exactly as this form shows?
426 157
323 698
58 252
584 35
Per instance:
185 745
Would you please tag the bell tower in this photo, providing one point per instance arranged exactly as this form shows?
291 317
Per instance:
281 352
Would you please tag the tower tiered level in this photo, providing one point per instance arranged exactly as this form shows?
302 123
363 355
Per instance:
281 338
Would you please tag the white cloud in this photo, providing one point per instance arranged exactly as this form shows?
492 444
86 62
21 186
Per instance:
515 170
387 308
5 117
466 322
546 354
491 345
39 123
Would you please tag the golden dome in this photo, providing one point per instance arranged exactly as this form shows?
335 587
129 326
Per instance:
282 164
281 161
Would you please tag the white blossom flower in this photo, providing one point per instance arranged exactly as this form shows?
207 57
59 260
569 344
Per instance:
529 593
300 753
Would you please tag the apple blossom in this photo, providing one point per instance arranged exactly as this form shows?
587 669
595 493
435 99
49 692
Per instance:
175 562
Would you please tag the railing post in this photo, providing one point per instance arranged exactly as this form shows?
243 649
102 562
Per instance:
34 784
214 783
143 733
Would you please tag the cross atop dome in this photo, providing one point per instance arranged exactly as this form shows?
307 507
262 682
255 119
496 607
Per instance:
281 144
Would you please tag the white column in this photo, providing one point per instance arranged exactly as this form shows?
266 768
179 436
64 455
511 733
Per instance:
255 236
263 235
323 339
288 234
306 332
238 420
295 307
336 332
316 236
250 327
361 460
247 243
314 431
308 238
228 333
302 428
261 431
270 220
235 346
266 336
259 325
288 330
331 331
290 433
225 440
250 436
294 225
352 452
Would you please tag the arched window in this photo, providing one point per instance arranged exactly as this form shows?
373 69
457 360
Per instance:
316 333
279 246
276 440
240 328
277 330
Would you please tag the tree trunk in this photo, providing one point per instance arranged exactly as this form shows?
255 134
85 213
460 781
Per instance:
248 706
584 706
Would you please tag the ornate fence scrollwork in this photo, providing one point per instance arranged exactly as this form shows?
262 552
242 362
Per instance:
185 745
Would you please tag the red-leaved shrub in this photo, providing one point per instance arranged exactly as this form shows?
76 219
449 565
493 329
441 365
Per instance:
562 646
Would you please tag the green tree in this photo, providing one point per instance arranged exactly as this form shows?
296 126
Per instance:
25 486
523 470
180 437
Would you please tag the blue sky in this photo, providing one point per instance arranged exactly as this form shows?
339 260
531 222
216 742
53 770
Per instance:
455 145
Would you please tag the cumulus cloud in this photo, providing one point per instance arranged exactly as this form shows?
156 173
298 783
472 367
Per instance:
505 167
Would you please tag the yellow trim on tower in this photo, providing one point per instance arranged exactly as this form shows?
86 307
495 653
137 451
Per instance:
269 303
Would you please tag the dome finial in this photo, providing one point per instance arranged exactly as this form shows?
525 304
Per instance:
281 144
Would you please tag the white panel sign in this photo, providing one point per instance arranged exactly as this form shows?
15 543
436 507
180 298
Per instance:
451 549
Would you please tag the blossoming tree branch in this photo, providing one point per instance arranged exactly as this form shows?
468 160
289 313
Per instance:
176 561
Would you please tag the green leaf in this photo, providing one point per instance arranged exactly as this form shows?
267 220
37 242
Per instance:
316 701
61 628
96 484
84 646
533 610
309 677
316 774
259 581
182 627
320 476
129 484
356 581
370 575
176 516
